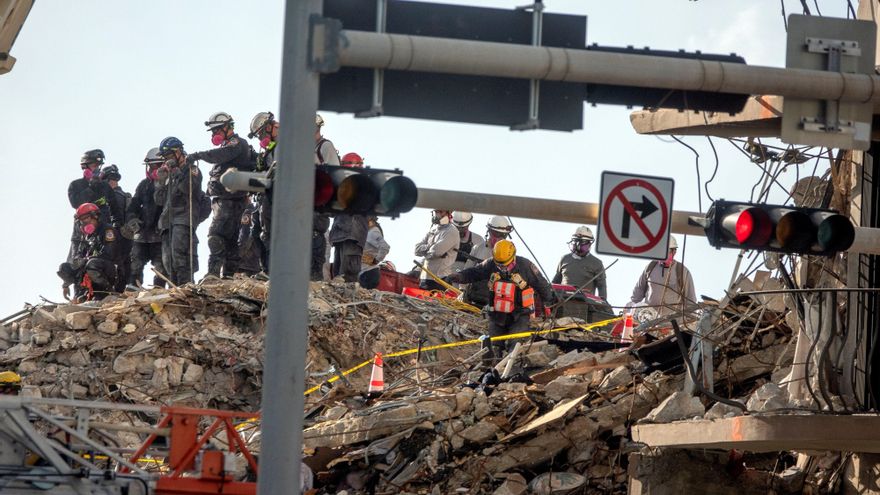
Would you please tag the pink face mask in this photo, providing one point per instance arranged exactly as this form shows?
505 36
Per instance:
668 261
153 174
87 173
88 229
218 139
264 143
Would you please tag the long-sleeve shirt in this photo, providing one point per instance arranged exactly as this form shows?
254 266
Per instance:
438 249
234 153
178 195
525 268
582 271
143 207
668 288
376 246
465 246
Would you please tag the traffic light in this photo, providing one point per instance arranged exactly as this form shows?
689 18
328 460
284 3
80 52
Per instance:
783 229
364 191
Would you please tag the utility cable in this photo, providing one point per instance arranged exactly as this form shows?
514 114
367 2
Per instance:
528 249
714 172
697 163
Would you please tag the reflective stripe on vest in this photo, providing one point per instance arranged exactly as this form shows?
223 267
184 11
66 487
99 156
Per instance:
505 297
528 298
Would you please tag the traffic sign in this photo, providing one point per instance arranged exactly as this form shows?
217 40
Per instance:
635 214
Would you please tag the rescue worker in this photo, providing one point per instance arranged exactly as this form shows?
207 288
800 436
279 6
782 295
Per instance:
94 268
265 128
88 189
231 152
467 239
497 228
581 269
325 154
10 383
119 201
177 191
376 248
512 282
665 285
249 243
142 220
438 249
348 235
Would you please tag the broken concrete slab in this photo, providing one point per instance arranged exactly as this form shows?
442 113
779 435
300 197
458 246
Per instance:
81 320
565 387
679 405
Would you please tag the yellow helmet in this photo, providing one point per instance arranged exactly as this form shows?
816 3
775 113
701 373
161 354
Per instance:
504 252
10 378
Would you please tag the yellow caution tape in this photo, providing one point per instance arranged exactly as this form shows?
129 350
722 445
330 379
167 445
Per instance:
520 335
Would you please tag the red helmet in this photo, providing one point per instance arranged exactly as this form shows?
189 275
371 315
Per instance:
352 160
86 209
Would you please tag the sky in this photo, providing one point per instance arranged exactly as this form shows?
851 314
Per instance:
121 76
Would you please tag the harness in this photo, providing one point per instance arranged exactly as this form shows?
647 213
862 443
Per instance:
511 293
464 249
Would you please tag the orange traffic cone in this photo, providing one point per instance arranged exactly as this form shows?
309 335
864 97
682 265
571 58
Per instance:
377 377
627 333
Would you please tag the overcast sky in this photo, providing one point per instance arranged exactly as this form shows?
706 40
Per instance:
120 76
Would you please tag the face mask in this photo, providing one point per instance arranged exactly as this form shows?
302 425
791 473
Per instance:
668 261
582 249
88 229
218 139
153 174
264 143
506 269
88 174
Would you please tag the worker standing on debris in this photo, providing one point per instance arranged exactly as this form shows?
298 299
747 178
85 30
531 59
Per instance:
248 243
349 234
665 285
512 282
376 248
438 249
581 269
231 152
119 201
142 223
467 239
93 269
497 228
178 192
265 128
325 154
88 189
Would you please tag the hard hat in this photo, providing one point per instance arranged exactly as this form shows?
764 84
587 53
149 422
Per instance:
583 233
504 252
673 244
111 173
259 121
462 219
86 209
92 156
500 224
387 265
10 378
153 157
219 119
319 121
352 160
170 144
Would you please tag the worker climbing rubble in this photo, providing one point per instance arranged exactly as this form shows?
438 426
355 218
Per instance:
512 282
581 269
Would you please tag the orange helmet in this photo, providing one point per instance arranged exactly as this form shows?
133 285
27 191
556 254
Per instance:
352 160
86 209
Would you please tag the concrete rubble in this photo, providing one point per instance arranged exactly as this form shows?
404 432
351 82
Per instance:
444 424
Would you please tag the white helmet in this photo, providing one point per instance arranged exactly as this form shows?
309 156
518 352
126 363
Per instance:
500 225
219 119
260 120
673 244
462 219
583 233
153 156
319 121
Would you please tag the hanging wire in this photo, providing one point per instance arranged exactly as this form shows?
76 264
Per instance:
784 19
516 230
850 11
714 171
697 165
806 7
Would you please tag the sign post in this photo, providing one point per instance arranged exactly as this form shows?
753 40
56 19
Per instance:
635 215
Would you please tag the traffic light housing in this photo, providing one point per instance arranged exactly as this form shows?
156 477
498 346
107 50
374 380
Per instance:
778 228
363 191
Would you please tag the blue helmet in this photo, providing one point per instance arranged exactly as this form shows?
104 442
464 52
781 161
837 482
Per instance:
169 144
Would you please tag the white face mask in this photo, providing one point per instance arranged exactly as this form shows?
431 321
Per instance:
439 219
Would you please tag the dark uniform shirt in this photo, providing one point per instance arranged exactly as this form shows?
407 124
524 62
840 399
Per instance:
119 201
178 195
234 153
525 268
143 207
349 228
95 191
102 243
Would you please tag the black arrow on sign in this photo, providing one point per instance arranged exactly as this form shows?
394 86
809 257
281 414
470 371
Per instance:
646 207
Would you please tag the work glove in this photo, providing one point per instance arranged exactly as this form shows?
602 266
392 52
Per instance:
193 157
163 172
131 228
453 278
65 291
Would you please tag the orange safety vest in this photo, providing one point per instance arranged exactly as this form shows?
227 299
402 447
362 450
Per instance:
505 300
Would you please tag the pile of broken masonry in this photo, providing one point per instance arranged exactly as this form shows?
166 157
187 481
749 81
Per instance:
443 425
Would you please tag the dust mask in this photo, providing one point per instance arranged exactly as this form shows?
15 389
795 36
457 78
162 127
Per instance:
87 173
218 139
88 229
668 261
153 174
264 143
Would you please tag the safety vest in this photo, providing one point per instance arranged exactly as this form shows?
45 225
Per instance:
512 294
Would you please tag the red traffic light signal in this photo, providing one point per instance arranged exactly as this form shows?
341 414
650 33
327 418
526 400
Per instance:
363 191
783 229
